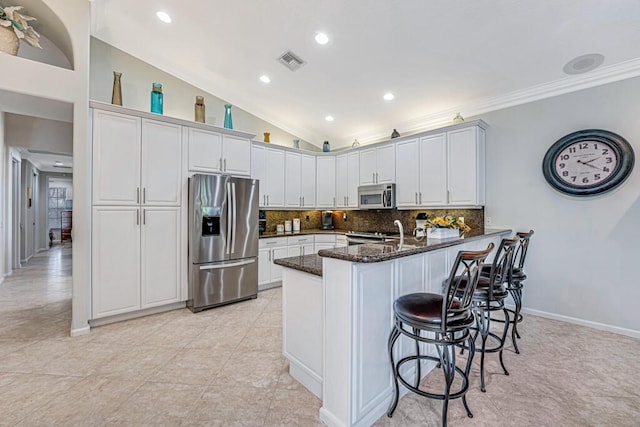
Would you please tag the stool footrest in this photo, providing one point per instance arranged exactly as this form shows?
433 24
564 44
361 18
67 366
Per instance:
460 393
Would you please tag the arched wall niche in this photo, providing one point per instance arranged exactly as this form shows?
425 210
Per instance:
52 30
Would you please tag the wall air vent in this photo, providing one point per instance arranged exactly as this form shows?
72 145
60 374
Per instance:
291 60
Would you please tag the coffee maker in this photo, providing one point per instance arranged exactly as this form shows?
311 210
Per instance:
327 220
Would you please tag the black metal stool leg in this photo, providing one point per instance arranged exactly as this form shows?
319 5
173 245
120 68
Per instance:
418 376
483 326
516 294
393 336
472 350
504 338
449 369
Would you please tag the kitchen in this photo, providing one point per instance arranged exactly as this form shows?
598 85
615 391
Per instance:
524 201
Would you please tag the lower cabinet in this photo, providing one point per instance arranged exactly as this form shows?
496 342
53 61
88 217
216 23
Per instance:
135 259
268 250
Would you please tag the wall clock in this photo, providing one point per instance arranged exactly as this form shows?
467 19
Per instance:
588 162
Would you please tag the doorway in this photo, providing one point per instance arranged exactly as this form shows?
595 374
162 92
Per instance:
15 190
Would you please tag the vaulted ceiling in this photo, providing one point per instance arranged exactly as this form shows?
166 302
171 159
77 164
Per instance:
438 57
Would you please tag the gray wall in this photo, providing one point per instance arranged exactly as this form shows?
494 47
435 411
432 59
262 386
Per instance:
179 96
37 133
583 254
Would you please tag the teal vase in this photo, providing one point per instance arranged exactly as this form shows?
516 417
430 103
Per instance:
156 98
228 122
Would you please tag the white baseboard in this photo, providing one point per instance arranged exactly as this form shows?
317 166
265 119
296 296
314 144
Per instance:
135 314
80 331
582 322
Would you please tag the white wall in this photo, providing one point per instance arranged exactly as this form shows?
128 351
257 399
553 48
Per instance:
179 96
37 133
4 190
583 255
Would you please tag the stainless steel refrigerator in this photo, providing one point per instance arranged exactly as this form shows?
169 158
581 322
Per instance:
223 240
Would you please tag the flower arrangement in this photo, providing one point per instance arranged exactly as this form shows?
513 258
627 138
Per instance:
446 221
11 18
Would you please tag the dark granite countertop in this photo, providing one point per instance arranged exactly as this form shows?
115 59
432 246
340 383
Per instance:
378 252
311 264
301 232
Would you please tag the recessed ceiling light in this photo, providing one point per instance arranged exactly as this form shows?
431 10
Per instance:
329 118
583 64
322 38
388 96
265 79
163 16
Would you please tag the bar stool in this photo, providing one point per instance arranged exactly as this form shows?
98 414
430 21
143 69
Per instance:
515 285
489 296
446 319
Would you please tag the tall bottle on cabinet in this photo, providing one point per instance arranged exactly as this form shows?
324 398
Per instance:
228 123
156 98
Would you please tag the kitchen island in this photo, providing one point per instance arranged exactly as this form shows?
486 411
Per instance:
338 311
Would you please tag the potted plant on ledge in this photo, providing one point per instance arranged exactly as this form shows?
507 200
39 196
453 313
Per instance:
444 227
15 26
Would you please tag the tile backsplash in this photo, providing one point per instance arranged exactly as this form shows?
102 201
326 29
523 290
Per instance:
372 220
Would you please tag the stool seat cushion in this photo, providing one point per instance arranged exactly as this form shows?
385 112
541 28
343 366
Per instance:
425 309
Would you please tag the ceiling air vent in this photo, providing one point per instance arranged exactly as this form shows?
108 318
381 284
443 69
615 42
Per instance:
291 60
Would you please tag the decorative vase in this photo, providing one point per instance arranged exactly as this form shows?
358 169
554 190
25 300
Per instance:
199 109
266 137
355 144
326 147
296 143
458 118
443 233
395 134
156 98
116 94
9 42
228 122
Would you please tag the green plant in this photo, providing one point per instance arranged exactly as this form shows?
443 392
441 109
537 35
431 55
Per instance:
11 18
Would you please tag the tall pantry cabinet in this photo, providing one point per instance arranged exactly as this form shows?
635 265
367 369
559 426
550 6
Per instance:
136 215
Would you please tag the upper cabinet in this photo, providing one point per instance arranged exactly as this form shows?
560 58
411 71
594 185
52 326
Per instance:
326 181
214 152
268 167
347 180
378 165
135 161
300 180
441 169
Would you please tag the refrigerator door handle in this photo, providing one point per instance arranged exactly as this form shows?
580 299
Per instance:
233 264
229 225
234 215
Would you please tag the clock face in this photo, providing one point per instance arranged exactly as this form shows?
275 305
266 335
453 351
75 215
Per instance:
588 162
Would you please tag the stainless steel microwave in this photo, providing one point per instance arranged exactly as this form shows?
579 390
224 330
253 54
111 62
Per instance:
377 196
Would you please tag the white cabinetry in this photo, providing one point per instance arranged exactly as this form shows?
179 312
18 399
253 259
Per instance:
442 169
268 167
324 241
326 181
300 180
378 165
300 245
270 249
137 196
213 152
347 180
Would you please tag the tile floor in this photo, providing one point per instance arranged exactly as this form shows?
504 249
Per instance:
225 367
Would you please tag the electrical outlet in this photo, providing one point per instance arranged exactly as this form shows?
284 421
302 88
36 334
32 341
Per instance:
344 216
307 218
488 220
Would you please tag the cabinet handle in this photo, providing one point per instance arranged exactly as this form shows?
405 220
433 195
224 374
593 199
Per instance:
144 216
420 197
376 177
302 200
137 194
334 201
269 254
373 177
225 165
267 200
303 251
220 163
448 196
346 200
416 197
137 216
144 195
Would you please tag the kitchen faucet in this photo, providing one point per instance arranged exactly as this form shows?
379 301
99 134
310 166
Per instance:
399 224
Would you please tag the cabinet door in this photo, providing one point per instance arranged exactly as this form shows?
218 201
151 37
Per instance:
292 180
308 249
354 173
161 163
407 173
258 157
433 171
274 168
116 159
342 180
115 265
294 250
276 270
236 155
264 266
205 150
308 180
463 171
160 266
320 246
326 181
368 166
386 164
